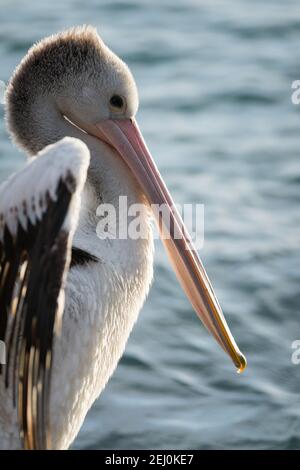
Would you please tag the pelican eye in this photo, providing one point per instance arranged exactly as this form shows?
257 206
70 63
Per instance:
116 101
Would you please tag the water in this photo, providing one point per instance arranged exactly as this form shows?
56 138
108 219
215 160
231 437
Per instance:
215 88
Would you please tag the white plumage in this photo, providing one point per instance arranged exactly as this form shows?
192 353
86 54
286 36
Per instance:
102 300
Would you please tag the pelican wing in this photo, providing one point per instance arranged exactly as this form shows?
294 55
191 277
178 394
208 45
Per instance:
39 209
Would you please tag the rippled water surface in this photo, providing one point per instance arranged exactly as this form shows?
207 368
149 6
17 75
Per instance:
215 90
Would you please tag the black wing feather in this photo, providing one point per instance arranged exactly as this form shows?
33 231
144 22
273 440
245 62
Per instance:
32 267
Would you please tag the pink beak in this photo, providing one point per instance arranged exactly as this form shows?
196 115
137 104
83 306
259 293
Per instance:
126 138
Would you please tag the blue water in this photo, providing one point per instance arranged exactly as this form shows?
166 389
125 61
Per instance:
215 89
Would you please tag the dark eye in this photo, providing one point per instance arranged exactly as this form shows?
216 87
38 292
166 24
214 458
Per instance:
116 101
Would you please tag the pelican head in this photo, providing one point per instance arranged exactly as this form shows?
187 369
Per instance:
78 77
71 83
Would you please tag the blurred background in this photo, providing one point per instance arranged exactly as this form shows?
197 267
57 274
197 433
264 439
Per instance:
215 107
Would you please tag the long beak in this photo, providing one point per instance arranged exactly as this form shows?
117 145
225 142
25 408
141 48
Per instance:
126 138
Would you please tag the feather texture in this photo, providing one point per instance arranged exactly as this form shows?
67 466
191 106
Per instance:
37 225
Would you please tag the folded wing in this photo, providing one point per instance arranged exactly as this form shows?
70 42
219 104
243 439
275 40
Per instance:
39 208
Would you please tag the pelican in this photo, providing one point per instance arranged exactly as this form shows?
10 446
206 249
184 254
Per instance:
69 297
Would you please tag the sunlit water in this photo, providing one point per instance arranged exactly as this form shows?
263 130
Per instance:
215 90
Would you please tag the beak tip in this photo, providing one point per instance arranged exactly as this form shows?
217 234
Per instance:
242 363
